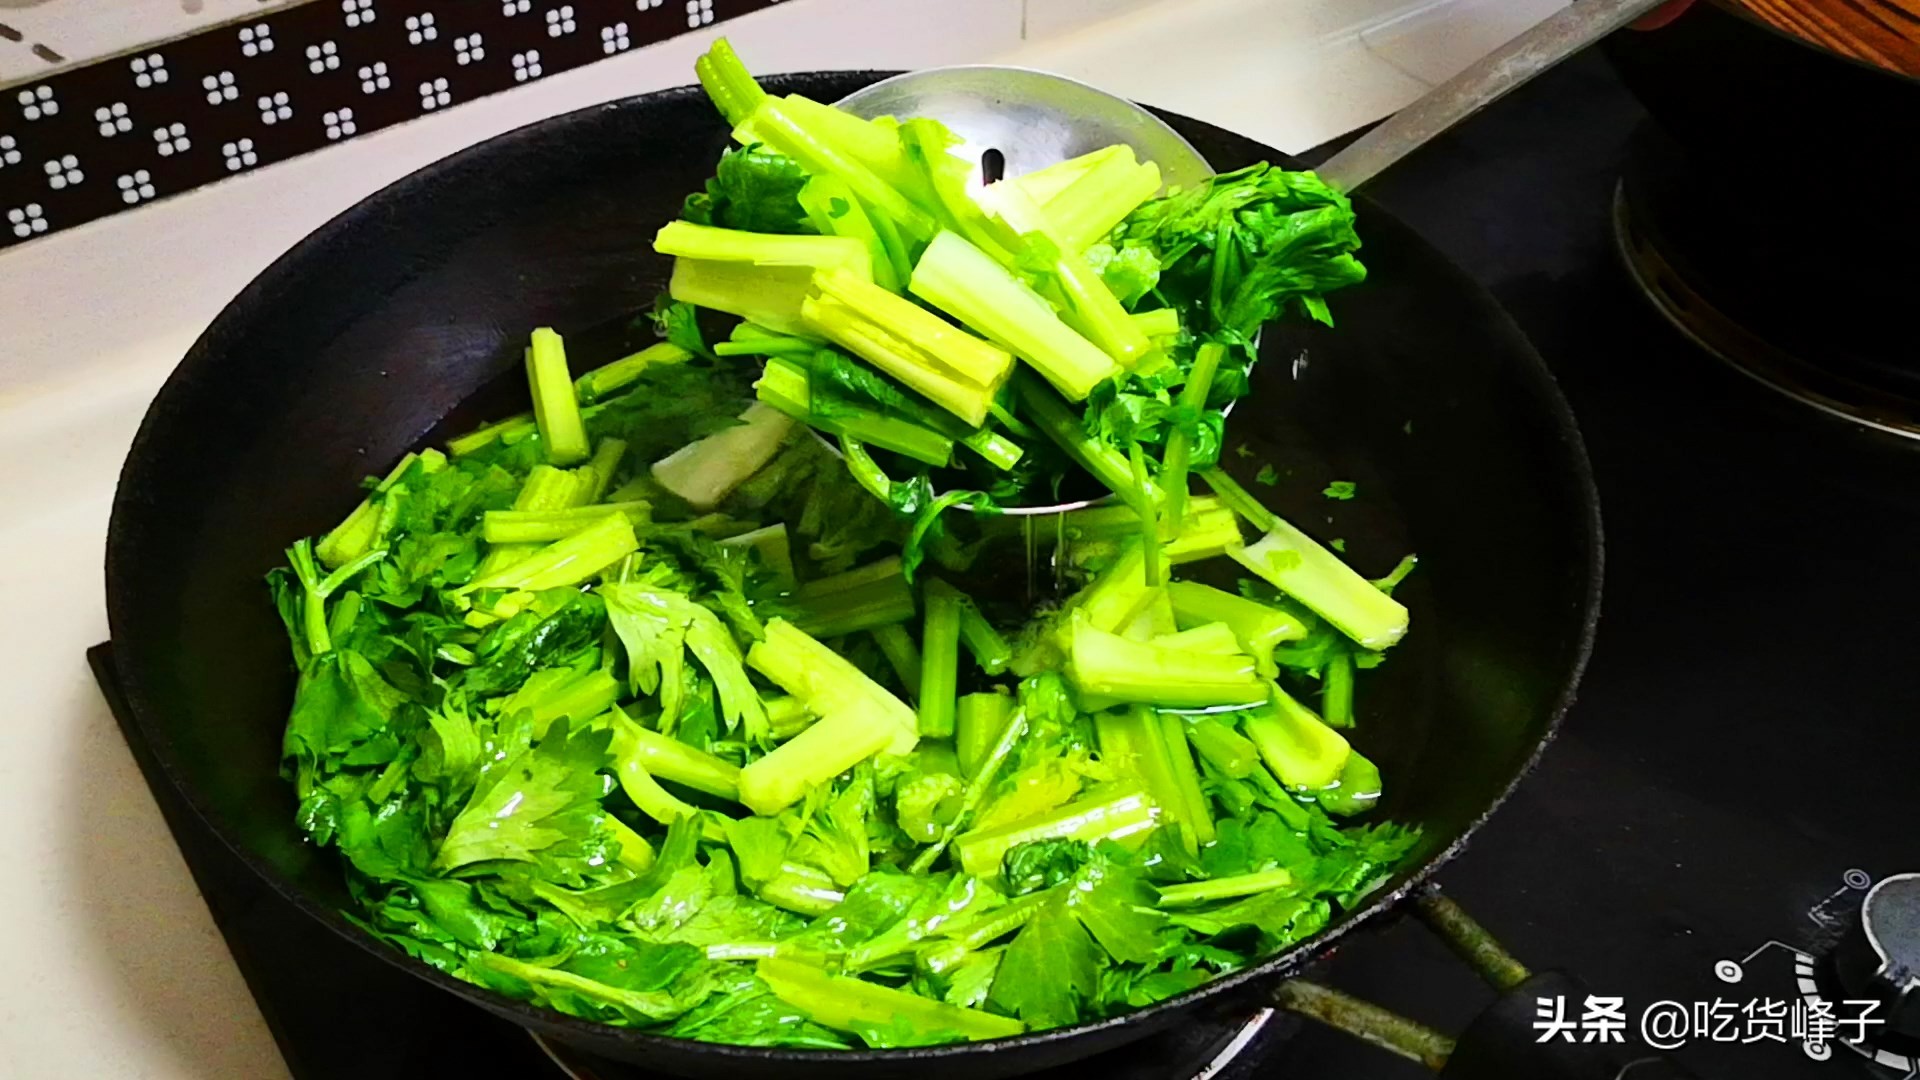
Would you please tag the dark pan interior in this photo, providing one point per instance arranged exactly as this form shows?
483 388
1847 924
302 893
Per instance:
370 333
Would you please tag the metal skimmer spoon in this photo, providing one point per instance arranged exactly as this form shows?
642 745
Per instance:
1035 119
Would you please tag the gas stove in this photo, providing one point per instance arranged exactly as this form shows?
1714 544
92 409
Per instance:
1717 839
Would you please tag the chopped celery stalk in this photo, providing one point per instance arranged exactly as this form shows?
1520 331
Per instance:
1223 748
1154 619
838 741
939 658
768 295
770 542
727 82
1041 185
487 434
902 655
597 384
1216 637
711 243
548 488
1336 689
1224 888
1160 322
1297 745
356 535
775 123
1091 206
1109 666
787 716
845 1003
977 786
1297 565
556 411
989 647
875 145
567 561
786 385
830 686
1186 778
552 693
704 471
944 184
545 526
835 211
1147 511
996 449
1085 302
646 793
1357 790
901 359
1095 535
801 889
668 758
1237 498
635 853
1191 404
979 720
959 354
964 282
1258 626
1133 745
1062 425
1117 813
860 599
1112 600
597 474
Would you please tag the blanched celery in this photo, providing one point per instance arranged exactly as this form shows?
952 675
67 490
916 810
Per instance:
545 526
668 758
1117 813
1297 565
1297 745
687 240
939 658
568 561
959 279
833 209
860 599
1088 209
850 1004
979 720
556 411
704 471
1109 666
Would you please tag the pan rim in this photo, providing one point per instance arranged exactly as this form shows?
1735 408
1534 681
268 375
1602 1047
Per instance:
1533 375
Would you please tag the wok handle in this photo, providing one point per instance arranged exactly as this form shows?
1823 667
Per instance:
1504 1041
1484 82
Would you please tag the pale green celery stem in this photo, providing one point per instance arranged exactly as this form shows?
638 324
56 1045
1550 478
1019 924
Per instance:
595 385
1192 403
976 790
1107 665
646 793
1089 306
727 82
1225 888
1148 513
1041 185
998 923
1213 637
1111 815
635 853
668 758
1238 499
787 716
1297 565
689 240
979 720
860 599
546 526
705 471
1297 745
907 361
768 295
1090 207
989 648
996 449
356 534
834 744
582 697
1059 424
1224 748
1160 322
600 469
1336 689
939 658
830 685
965 282
556 410
1186 777
896 644
568 561
968 358
802 890
488 434
849 1004
1133 741
818 198
774 123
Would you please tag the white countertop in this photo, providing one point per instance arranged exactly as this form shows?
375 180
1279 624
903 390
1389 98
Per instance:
115 968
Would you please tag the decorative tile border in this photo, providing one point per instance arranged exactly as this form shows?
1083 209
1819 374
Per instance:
117 134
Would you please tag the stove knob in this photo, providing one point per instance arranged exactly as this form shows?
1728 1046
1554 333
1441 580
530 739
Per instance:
1879 956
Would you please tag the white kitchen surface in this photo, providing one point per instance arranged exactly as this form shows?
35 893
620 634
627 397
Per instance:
115 968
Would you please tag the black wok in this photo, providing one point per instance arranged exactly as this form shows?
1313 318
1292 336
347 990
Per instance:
412 307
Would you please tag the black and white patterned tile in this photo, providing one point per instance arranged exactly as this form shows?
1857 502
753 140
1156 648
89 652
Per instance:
110 136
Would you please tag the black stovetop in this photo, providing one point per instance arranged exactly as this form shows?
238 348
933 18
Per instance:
1744 741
